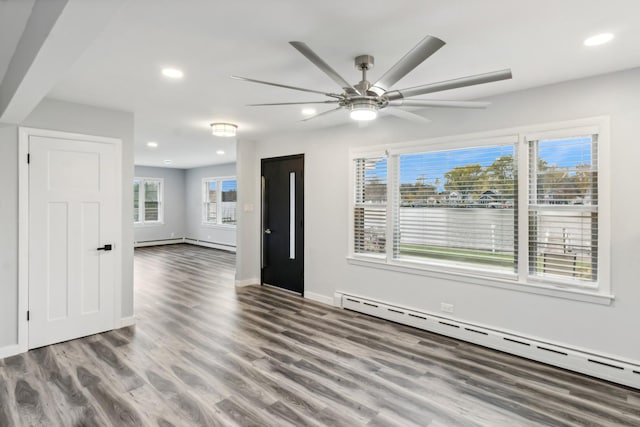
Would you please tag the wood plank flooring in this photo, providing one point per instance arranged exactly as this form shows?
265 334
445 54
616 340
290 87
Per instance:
206 354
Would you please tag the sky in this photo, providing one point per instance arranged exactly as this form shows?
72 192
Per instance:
432 166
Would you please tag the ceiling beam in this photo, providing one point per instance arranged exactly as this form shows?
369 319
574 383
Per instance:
56 34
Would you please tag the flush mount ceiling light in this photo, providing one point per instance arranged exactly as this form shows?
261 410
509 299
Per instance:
152 144
308 111
168 162
220 152
172 73
598 39
223 129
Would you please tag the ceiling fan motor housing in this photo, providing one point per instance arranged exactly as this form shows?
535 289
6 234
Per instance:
364 62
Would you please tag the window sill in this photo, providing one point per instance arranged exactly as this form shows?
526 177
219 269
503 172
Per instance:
508 282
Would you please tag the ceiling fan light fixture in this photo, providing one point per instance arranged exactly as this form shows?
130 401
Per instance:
363 110
224 129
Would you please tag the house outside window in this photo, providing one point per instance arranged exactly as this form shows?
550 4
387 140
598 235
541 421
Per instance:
523 208
219 199
148 208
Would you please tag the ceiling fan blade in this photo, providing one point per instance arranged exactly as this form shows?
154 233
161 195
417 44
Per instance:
449 84
416 56
333 95
293 103
322 114
438 103
407 115
326 68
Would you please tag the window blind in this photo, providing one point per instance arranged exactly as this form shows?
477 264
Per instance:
458 207
151 200
136 201
370 205
563 208
210 202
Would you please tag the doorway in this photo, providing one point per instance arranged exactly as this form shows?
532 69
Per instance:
70 196
282 256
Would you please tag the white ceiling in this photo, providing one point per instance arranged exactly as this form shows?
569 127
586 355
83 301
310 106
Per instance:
541 41
13 19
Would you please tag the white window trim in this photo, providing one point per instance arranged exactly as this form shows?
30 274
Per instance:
143 222
203 214
599 293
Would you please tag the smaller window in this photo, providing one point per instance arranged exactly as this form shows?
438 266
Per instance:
563 209
147 201
219 201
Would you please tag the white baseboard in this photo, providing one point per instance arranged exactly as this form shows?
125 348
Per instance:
11 350
158 242
126 321
212 245
319 298
606 367
247 282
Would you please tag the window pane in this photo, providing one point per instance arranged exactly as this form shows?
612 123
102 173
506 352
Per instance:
151 191
210 202
210 213
151 211
565 172
370 211
229 198
136 201
563 212
210 191
151 201
458 206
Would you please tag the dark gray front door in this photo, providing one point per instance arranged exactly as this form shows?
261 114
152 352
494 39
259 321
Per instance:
283 222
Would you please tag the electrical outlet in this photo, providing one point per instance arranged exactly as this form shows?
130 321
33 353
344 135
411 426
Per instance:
445 307
173 234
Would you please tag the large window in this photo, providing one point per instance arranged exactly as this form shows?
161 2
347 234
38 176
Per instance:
147 201
454 207
219 201
458 206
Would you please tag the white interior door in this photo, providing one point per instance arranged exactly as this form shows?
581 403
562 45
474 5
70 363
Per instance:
72 220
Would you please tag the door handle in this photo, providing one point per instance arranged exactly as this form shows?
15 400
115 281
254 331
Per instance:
106 248
267 231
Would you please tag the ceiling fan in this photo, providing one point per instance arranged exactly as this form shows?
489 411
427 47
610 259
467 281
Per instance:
364 99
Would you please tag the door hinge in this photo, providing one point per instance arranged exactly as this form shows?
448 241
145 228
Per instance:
28 157
28 315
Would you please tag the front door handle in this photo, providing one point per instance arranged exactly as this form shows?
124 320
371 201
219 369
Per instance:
267 231
106 248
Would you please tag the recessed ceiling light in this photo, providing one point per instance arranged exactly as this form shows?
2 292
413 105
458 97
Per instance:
168 162
221 152
152 144
598 39
173 73
308 111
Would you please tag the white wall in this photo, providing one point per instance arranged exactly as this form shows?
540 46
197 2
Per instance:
223 236
173 225
67 117
603 329
248 227
9 235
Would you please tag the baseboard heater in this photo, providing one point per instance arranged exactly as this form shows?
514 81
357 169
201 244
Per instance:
607 368
171 241
214 245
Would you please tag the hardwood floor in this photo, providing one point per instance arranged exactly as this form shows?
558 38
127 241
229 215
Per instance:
206 354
